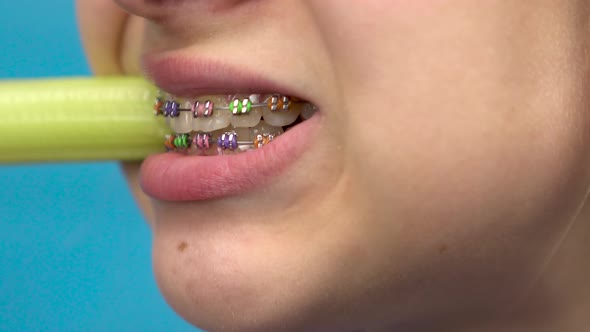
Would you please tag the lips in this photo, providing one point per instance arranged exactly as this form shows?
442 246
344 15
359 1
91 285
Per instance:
180 177
194 77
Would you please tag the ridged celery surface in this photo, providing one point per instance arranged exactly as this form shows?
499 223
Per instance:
78 119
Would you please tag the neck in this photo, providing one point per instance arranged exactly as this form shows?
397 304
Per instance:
560 299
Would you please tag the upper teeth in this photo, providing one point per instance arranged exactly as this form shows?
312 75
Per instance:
210 113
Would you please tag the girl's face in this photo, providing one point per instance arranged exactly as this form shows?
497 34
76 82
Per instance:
444 163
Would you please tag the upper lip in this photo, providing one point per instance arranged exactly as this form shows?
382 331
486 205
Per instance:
193 77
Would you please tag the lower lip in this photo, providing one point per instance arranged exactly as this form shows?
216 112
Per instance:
177 177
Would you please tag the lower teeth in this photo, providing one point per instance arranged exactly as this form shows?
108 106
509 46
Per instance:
224 143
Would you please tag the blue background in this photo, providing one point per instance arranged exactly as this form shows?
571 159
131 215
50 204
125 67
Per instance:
74 249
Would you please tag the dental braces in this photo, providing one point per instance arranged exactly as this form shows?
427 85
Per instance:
237 106
204 141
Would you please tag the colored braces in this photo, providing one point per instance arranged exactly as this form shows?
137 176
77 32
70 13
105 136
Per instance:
202 141
171 108
168 107
202 109
262 139
276 103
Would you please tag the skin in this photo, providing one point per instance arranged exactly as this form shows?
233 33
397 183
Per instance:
469 214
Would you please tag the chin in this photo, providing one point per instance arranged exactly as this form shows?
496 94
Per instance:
240 280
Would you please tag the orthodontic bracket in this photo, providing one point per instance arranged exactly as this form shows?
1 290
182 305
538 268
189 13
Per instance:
203 141
238 106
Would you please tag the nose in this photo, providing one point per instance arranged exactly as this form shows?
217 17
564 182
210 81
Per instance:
157 10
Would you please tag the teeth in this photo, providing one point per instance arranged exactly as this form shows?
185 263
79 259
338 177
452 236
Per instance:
219 119
243 133
282 118
308 111
255 98
249 116
264 128
247 120
184 122
218 142
213 148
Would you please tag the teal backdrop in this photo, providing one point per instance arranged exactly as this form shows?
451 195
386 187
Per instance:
74 249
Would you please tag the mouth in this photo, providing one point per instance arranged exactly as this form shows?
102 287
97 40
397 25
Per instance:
231 131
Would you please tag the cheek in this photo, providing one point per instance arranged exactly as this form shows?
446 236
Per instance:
131 45
475 179
464 129
463 192
471 149
476 203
